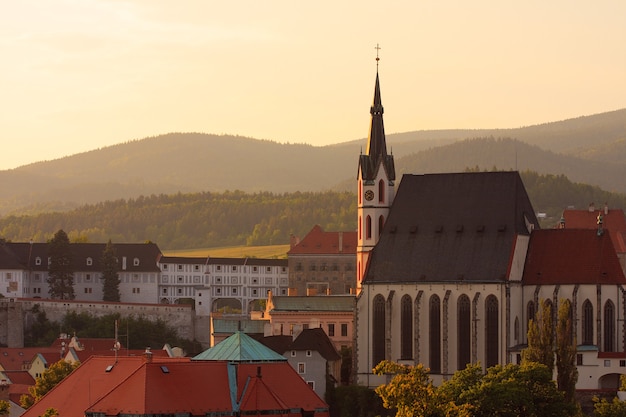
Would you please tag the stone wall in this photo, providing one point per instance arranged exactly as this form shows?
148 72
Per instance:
179 316
11 323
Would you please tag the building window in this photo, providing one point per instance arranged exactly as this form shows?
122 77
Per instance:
311 384
180 278
381 191
180 267
38 261
136 262
196 267
378 330
218 291
579 359
301 368
331 329
587 323
89 261
164 291
234 268
88 290
368 227
463 331
234 290
293 353
435 334
491 331
309 353
218 268
165 267
136 290
406 326
180 291
255 292
87 277
268 269
344 329
609 327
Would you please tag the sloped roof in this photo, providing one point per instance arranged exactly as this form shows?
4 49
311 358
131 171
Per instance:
613 221
14 359
239 348
278 343
571 256
226 325
326 303
319 242
167 388
450 227
285 384
317 340
88 383
148 254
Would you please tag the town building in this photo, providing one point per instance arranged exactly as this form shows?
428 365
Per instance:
322 263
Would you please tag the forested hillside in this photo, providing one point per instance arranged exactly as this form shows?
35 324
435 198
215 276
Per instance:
590 149
199 220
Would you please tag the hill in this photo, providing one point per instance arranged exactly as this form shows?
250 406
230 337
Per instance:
590 149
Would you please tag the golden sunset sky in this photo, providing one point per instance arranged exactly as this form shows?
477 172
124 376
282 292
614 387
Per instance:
78 75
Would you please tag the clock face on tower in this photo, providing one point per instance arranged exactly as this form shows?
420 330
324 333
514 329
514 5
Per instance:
369 195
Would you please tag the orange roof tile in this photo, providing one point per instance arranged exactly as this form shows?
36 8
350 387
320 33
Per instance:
318 242
16 359
571 256
613 221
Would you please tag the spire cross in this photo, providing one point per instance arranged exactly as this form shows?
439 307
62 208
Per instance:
377 58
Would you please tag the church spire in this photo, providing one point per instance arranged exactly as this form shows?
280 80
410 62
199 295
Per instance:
376 154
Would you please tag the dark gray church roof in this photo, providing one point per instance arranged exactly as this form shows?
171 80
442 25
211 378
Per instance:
452 227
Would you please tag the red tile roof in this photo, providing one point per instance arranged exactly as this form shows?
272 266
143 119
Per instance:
613 221
571 256
319 242
17 359
167 386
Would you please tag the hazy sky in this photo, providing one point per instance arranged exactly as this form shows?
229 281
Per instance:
77 75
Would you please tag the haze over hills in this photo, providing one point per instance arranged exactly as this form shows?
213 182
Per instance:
590 149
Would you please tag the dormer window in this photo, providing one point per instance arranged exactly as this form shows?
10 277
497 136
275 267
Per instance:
89 261
38 261
136 262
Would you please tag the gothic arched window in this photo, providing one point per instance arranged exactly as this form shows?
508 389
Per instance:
368 227
378 331
587 323
435 334
406 327
381 191
491 331
463 332
360 228
381 222
609 326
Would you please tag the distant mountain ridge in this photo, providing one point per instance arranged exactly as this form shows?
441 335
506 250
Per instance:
589 149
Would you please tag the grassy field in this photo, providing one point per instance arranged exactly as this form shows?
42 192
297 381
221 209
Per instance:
275 251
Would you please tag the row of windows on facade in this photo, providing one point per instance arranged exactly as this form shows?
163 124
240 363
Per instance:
464 329
330 329
323 267
234 268
88 261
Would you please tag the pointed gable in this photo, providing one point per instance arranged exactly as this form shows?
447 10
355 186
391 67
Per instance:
317 340
239 348
571 256
449 227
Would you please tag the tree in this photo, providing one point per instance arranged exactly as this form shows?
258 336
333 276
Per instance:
567 372
410 391
110 275
51 412
604 408
60 269
48 380
540 337
5 408
511 390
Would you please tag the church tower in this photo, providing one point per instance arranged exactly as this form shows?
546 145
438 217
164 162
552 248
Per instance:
376 176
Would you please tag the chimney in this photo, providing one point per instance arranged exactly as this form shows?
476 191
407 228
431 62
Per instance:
148 355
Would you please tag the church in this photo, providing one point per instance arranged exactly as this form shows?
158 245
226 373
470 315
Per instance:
452 266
